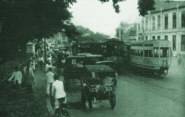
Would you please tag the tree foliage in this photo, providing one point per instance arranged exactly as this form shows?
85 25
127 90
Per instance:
145 5
23 20
86 35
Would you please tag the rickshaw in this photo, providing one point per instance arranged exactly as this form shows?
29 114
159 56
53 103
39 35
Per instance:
98 83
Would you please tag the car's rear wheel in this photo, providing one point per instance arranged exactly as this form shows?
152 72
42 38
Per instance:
65 113
87 103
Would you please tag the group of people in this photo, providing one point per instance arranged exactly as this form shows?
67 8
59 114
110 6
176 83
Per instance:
55 93
23 75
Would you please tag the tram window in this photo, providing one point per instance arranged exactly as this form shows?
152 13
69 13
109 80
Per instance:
142 53
150 53
74 61
138 52
156 52
146 54
133 52
164 52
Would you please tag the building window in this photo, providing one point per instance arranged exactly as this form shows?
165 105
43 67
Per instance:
146 23
183 19
146 38
183 43
139 27
166 22
142 27
153 37
153 23
159 21
166 37
122 33
117 33
174 42
158 37
174 20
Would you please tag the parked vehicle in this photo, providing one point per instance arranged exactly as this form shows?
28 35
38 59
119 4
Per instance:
98 83
74 64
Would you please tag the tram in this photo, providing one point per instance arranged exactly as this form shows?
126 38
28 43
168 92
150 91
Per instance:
153 55
111 47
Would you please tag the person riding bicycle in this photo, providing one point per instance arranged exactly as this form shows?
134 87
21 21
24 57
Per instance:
58 93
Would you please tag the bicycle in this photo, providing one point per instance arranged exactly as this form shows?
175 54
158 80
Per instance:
62 111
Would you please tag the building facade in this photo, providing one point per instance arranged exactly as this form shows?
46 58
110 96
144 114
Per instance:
126 32
166 22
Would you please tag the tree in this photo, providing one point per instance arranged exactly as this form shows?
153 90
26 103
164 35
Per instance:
87 35
24 20
145 5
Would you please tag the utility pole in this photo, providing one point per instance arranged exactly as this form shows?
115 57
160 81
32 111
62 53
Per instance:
45 50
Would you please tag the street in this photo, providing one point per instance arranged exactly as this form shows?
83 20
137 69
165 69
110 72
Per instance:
138 95
143 96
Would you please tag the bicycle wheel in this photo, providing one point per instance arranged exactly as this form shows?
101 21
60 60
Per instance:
65 113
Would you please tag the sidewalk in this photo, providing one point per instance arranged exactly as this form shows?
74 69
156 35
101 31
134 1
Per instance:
73 97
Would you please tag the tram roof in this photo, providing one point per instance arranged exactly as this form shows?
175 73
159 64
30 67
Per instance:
151 43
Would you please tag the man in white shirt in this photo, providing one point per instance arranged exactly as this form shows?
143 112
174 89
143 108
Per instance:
16 77
49 82
58 93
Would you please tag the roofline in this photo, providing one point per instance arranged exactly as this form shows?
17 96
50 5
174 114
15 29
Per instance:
164 10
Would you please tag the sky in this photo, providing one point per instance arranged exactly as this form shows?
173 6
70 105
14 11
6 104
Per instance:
101 17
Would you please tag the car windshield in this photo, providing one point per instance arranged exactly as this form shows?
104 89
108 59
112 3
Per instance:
94 81
107 81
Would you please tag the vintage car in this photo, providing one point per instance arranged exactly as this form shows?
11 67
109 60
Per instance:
98 83
75 64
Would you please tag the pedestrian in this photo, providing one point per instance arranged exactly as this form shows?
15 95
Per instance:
50 59
49 81
16 77
30 79
41 61
48 65
58 93
33 63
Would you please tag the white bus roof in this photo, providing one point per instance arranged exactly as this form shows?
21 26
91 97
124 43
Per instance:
152 43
